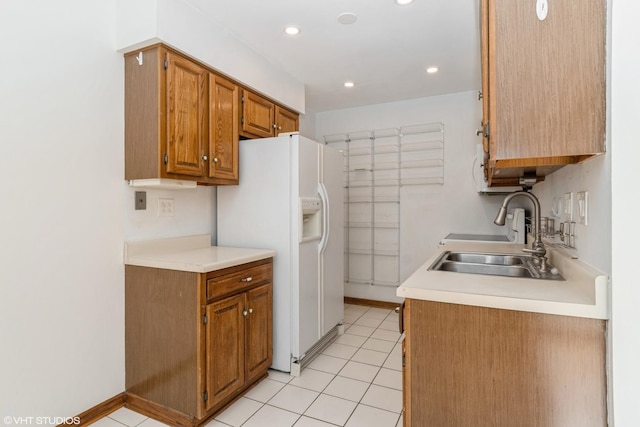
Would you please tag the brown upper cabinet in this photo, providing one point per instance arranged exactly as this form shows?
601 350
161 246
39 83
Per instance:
180 119
263 118
223 128
183 119
543 86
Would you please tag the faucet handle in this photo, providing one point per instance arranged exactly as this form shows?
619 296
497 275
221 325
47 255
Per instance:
536 250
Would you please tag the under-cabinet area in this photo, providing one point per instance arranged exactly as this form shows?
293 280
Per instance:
195 341
183 120
479 366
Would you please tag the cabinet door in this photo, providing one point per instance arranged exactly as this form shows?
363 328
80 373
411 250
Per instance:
484 57
225 344
286 121
547 80
259 330
186 116
223 128
478 366
258 115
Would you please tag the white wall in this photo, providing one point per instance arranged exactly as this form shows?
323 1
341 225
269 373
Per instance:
66 209
186 28
625 152
428 212
195 213
592 240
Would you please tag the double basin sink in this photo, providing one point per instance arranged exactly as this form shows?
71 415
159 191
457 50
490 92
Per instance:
494 264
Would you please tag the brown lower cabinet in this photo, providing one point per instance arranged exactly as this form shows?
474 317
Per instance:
475 366
194 342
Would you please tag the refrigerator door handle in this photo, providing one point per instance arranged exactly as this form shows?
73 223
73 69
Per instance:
322 190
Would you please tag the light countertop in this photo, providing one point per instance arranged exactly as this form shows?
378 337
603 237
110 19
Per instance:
583 293
190 253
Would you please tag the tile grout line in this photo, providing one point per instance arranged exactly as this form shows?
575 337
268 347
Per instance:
359 402
379 369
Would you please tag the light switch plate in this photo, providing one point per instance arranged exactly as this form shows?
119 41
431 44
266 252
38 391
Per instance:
582 198
141 200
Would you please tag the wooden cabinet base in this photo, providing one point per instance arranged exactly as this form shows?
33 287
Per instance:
194 342
175 418
477 366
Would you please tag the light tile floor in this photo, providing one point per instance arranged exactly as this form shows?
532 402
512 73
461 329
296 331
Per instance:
355 382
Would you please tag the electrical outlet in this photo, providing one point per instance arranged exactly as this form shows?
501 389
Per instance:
583 207
165 207
567 207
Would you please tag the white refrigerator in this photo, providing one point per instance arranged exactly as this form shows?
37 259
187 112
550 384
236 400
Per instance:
290 198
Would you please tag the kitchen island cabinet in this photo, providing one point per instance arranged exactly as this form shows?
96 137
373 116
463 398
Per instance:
479 366
543 87
194 341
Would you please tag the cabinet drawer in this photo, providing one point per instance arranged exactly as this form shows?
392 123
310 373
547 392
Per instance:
238 280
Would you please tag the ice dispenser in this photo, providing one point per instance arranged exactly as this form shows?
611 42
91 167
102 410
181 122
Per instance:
310 227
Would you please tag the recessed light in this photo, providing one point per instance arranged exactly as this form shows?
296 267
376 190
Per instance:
347 18
402 2
292 30
432 70
349 84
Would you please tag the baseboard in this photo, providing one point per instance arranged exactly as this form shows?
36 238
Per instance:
158 412
178 419
99 411
372 303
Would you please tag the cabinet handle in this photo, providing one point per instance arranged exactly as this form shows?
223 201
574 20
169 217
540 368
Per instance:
247 279
279 127
245 313
204 157
215 160
480 95
250 310
275 126
484 131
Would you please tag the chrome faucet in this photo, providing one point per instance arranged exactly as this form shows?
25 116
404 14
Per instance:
537 247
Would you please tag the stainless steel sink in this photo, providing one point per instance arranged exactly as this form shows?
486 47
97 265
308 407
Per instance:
493 264
479 258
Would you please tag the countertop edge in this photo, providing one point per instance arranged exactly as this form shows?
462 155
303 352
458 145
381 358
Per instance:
190 253
142 261
589 287
596 311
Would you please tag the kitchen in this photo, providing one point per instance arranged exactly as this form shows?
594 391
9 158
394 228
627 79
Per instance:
62 277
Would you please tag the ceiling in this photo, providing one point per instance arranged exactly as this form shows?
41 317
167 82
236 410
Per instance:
385 52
